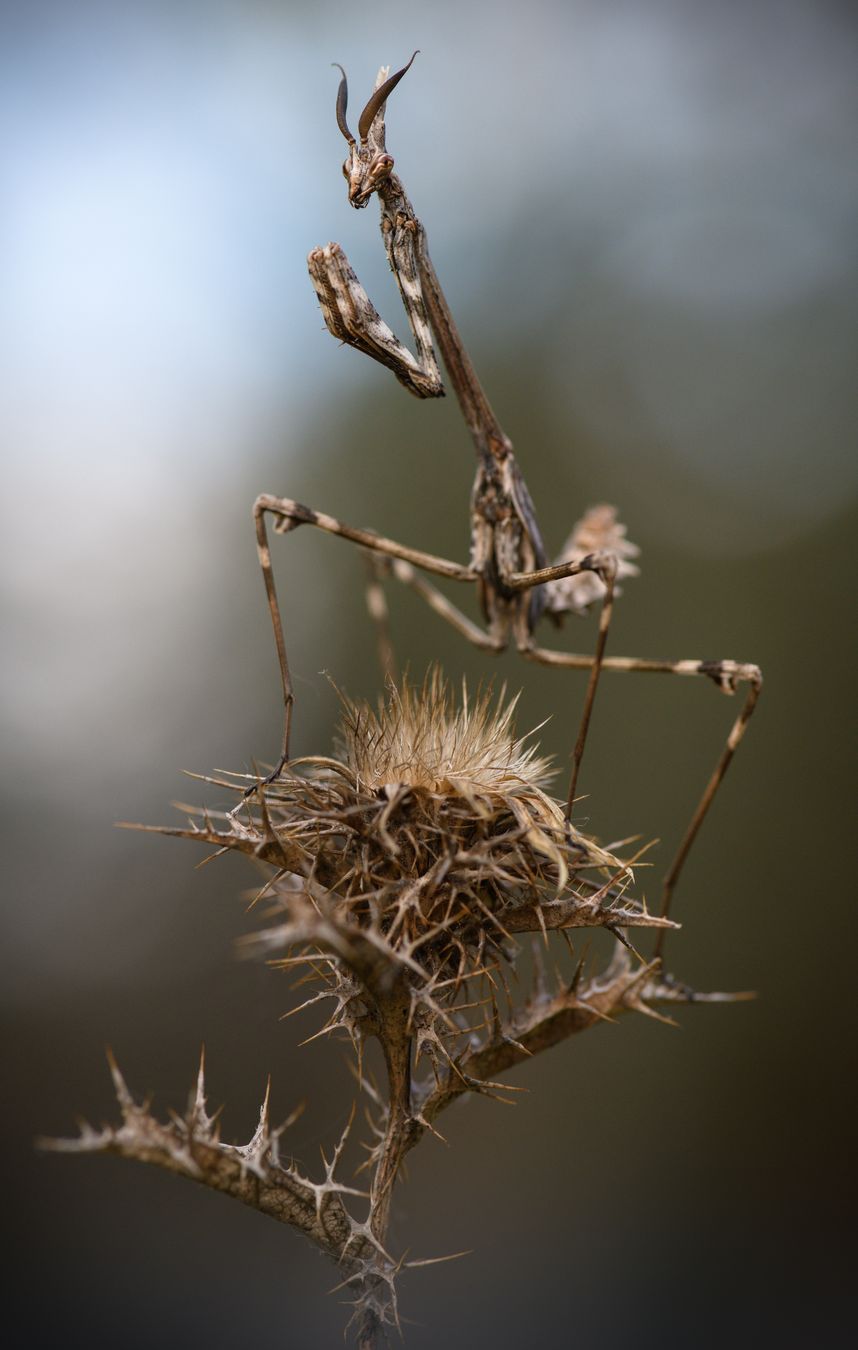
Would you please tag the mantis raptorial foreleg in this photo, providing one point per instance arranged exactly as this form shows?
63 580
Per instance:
352 318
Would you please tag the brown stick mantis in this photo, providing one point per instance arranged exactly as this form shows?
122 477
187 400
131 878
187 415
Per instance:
508 564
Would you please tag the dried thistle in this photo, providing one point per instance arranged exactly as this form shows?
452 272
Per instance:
420 849
403 869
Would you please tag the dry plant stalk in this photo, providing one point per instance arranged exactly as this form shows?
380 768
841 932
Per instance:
404 871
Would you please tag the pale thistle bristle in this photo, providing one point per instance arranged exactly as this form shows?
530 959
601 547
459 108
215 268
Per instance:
418 738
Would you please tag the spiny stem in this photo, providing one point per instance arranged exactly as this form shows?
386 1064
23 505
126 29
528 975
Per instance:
394 1032
396 1041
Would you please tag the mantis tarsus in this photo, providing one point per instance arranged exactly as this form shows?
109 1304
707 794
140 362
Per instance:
508 562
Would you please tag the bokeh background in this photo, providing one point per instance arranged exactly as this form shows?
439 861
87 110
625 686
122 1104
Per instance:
644 215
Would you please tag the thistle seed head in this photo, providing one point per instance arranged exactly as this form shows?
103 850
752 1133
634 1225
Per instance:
411 856
418 739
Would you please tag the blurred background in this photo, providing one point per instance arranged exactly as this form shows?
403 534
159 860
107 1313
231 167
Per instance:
643 214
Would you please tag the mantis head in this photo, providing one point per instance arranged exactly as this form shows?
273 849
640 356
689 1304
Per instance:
368 164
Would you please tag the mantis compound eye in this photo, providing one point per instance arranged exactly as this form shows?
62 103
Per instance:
382 166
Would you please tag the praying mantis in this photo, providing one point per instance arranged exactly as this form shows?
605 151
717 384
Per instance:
509 566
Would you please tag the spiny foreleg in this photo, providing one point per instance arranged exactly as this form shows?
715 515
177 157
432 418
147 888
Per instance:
352 318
